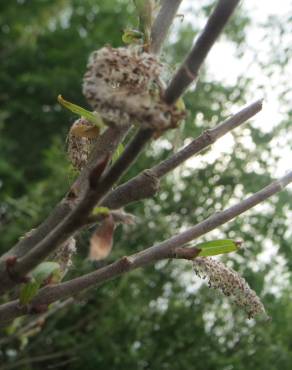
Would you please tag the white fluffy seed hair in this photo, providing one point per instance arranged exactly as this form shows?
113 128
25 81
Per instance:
230 283
124 86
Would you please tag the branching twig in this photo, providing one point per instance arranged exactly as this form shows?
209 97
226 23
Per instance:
98 187
188 71
163 250
36 321
162 23
146 184
106 145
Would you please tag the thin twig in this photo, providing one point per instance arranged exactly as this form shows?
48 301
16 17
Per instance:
35 321
188 71
164 250
162 23
146 184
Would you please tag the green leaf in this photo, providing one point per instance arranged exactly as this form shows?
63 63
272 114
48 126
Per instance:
93 117
100 211
45 270
215 247
28 291
132 36
118 152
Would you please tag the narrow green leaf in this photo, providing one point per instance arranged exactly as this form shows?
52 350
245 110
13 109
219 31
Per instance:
216 247
93 117
118 152
28 291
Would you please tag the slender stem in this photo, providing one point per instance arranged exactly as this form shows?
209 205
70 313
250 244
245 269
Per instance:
146 184
164 250
207 138
188 71
162 24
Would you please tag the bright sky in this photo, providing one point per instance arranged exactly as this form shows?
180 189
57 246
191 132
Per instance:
225 67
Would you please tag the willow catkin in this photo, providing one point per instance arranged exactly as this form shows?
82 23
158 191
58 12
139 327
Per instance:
230 283
124 86
80 144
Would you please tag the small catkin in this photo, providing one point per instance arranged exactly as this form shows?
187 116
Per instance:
79 147
124 86
230 283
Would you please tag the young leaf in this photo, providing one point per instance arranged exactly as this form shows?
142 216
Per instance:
28 291
132 36
215 247
180 104
93 117
118 152
100 211
45 270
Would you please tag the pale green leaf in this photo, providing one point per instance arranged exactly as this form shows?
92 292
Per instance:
93 117
180 104
45 270
118 152
132 36
28 291
216 247
100 211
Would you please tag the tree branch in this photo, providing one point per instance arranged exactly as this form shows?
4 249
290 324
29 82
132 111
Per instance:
99 185
197 55
162 24
188 71
106 145
164 250
146 184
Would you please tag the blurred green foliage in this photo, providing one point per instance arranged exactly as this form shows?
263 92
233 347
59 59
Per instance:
157 318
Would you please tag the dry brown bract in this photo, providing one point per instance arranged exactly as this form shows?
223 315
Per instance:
230 283
124 86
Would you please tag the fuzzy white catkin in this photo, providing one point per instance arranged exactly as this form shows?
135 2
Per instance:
124 86
230 283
